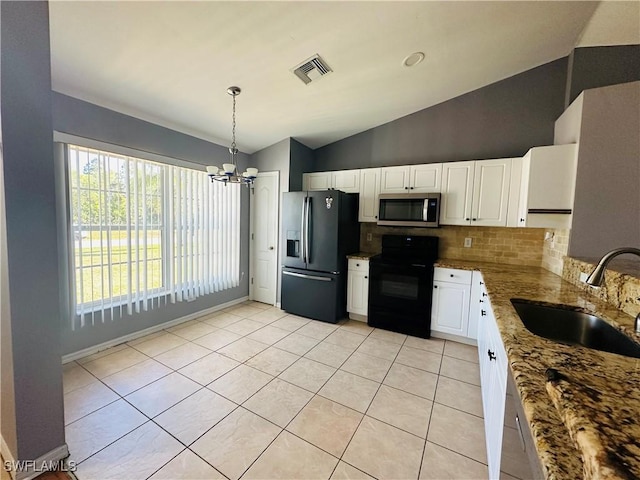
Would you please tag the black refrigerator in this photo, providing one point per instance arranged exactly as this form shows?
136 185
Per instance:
319 230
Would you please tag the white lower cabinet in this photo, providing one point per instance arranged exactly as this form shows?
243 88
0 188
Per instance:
450 303
358 288
493 379
456 302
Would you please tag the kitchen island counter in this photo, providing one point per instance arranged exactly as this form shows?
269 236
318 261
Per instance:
600 400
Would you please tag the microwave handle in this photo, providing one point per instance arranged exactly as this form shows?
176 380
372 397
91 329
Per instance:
425 210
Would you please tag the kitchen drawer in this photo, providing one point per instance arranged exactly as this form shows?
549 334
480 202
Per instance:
358 265
452 275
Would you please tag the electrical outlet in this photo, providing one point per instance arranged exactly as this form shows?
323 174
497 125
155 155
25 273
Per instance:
368 237
467 242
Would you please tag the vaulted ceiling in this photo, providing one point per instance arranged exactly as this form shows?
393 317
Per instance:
171 62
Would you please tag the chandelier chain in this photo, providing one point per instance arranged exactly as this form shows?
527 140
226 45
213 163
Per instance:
229 173
233 129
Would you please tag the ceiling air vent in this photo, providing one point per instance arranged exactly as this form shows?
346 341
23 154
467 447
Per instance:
312 69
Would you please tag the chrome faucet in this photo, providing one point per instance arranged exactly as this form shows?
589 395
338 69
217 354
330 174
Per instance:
596 277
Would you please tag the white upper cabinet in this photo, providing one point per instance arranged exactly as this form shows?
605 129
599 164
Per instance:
476 192
394 179
457 193
346 180
369 193
547 187
411 179
425 178
316 181
491 193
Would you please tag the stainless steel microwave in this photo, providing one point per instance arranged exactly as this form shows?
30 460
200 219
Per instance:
409 210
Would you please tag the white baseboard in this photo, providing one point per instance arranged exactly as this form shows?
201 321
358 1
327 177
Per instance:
358 317
454 338
32 468
70 357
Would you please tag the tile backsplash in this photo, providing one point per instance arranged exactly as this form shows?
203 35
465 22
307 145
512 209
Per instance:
513 246
554 249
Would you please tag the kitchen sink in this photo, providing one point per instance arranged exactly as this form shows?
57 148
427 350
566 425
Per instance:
570 325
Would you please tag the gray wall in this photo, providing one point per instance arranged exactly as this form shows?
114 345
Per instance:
607 200
32 418
592 67
276 158
301 160
84 119
504 119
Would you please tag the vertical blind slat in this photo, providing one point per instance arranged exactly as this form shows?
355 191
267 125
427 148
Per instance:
153 233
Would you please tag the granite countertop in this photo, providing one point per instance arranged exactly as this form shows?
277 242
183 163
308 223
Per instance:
585 420
361 256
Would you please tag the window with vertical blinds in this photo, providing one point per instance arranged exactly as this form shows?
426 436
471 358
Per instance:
145 233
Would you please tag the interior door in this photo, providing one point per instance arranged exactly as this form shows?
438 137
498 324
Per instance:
264 237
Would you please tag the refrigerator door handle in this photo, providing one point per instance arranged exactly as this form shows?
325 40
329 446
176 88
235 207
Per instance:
302 228
307 235
310 277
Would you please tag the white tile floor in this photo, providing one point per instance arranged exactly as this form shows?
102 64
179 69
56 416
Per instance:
251 392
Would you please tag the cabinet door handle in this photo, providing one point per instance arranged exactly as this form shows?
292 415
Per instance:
481 301
481 283
483 313
522 219
406 188
435 286
452 275
492 356
357 264
474 219
466 219
484 294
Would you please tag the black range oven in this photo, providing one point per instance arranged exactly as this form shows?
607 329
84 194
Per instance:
401 284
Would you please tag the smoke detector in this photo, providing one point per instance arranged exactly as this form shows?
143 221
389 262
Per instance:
312 69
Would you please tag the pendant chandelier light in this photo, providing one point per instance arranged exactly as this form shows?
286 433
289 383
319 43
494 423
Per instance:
229 171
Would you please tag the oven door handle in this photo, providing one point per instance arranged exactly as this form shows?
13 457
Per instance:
418 265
